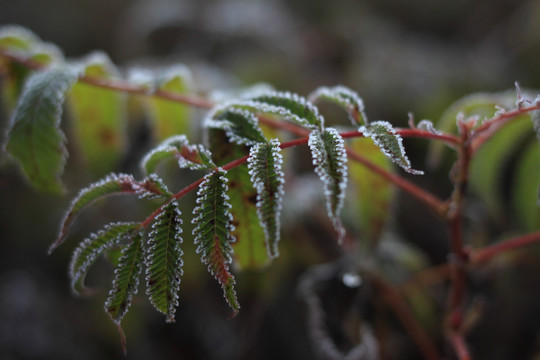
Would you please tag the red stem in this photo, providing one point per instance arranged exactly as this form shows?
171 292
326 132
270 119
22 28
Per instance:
460 346
488 252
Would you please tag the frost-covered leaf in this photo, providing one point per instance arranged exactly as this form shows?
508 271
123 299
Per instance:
264 164
91 248
249 248
427 125
126 279
212 232
195 157
164 260
15 37
370 194
111 185
241 126
390 143
344 97
153 187
98 116
34 136
288 106
525 187
330 161
170 118
486 176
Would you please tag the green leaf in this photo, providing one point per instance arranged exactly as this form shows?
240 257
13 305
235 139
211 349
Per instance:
288 106
390 143
15 37
249 248
264 164
126 279
371 195
169 117
486 174
241 126
525 187
344 97
111 185
91 248
212 231
98 116
34 137
195 157
482 105
330 161
164 260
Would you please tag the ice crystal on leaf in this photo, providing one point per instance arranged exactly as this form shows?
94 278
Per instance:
195 157
91 248
390 143
164 260
264 163
240 125
427 125
126 279
212 232
330 161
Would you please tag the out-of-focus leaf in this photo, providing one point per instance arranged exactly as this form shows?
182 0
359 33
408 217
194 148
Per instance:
486 174
21 41
34 137
373 194
168 117
525 188
98 116
482 105
249 248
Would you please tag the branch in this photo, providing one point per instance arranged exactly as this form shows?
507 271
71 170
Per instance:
488 252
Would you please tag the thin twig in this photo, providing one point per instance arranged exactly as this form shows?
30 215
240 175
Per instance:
488 252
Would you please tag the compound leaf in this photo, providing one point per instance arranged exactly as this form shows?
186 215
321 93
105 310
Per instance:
164 261
264 164
390 143
330 161
126 279
91 248
34 137
212 231
344 97
240 125
98 116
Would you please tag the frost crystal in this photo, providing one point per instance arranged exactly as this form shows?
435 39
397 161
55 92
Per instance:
265 164
427 125
330 161
384 136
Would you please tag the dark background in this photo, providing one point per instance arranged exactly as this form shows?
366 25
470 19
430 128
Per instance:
400 56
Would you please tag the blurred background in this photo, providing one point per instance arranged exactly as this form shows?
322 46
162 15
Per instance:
401 56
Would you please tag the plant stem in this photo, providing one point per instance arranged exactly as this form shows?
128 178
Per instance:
399 305
488 252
